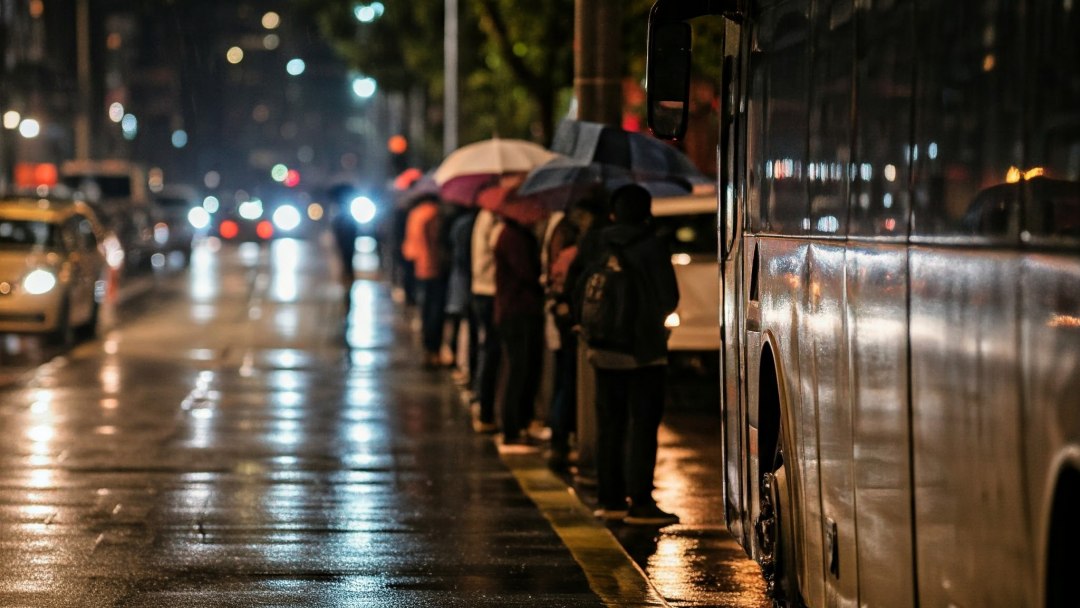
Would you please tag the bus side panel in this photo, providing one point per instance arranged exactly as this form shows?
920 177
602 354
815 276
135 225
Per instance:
966 425
877 338
1050 291
824 353
782 276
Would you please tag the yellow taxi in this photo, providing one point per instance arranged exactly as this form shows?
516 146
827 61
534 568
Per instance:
54 267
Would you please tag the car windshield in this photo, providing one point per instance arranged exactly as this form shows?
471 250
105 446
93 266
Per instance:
169 202
107 187
22 234
690 234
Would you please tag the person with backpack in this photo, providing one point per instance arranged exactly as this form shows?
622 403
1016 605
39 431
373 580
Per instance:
560 251
624 294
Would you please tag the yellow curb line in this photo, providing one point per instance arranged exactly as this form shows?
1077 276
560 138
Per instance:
615 578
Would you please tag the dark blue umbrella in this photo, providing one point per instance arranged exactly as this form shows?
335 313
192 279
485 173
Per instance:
563 180
644 157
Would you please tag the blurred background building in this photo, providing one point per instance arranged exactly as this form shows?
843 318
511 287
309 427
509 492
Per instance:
213 94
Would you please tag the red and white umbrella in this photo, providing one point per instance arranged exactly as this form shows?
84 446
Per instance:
506 201
469 169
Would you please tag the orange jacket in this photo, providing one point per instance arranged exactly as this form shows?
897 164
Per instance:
420 245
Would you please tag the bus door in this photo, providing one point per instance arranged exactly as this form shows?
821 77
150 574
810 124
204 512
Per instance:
731 159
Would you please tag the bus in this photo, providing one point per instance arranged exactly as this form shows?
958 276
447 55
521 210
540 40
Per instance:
899 249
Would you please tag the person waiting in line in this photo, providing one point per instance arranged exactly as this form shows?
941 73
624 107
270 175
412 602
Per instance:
485 233
459 295
560 250
519 305
630 381
421 247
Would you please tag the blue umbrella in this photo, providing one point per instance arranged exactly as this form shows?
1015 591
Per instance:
563 180
644 157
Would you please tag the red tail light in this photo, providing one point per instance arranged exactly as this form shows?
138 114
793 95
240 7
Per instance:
228 229
265 230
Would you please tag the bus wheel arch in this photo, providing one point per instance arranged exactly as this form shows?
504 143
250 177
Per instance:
775 524
1063 539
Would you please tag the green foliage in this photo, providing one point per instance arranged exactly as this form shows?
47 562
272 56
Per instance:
516 63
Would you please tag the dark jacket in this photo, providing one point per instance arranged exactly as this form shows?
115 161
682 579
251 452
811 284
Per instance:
650 259
517 274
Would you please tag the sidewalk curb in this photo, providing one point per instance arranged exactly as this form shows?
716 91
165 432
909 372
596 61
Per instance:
612 574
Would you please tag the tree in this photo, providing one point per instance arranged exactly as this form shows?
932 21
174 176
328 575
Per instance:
516 66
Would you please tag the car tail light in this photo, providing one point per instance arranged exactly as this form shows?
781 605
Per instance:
265 230
229 229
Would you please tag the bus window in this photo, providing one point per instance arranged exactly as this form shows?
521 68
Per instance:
1052 173
830 117
786 120
880 190
968 119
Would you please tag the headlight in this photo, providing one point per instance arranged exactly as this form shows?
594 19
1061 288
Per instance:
362 209
39 282
672 320
199 218
286 218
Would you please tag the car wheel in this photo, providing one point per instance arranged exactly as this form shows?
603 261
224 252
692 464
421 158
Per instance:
88 330
64 334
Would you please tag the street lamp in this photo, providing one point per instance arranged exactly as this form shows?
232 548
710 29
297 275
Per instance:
295 67
366 13
29 128
12 119
364 86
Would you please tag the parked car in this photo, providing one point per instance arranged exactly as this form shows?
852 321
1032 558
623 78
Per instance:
174 231
688 224
117 191
54 267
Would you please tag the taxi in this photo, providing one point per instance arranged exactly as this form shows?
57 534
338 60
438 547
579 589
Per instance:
55 267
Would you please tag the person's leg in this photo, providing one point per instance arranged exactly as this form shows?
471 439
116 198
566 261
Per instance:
564 399
473 346
434 315
513 333
533 356
646 407
611 420
490 351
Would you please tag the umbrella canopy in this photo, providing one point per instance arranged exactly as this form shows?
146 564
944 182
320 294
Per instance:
563 180
422 187
509 203
468 169
645 157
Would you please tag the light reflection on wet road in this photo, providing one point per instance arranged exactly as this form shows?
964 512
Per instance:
223 447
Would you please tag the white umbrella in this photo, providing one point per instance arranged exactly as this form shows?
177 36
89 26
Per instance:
468 169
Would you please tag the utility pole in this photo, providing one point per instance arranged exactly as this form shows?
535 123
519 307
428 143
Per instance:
598 60
7 136
598 88
82 66
450 67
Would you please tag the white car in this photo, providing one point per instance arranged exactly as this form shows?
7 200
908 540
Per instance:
688 224
54 267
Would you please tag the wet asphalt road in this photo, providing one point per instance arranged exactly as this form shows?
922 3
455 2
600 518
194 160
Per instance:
230 442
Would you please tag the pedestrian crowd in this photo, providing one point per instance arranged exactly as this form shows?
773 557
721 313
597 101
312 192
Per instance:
583 292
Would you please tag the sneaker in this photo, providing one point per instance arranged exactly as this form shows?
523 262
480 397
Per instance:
650 515
517 446
613 514
484 428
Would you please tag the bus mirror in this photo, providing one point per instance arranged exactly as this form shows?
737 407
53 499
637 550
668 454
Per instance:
668 78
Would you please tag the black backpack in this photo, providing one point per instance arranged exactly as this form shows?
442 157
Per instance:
609 302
